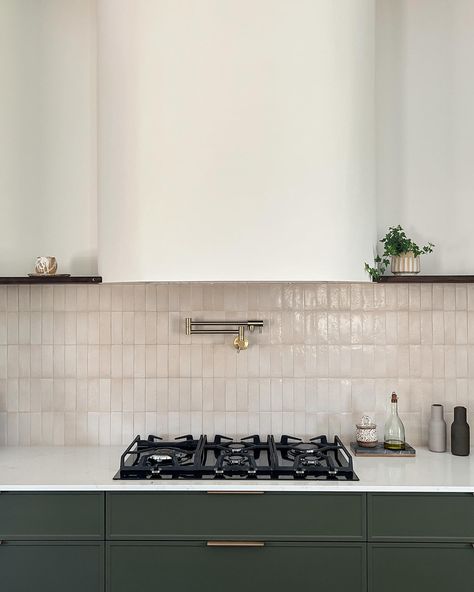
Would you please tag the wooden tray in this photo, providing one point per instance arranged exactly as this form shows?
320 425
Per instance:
380 452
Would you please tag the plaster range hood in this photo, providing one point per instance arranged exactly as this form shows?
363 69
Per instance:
235 140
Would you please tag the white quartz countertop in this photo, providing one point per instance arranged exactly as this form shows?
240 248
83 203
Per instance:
92 469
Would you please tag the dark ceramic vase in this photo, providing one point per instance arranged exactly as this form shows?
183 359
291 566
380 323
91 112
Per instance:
460 440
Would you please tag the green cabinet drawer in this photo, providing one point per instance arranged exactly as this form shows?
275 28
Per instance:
52 516
278 567
51 567
417 567
271 516
421 517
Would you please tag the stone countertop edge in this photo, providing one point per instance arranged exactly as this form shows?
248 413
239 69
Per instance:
92 469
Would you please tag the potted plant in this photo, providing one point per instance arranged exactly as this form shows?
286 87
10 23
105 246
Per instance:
400 251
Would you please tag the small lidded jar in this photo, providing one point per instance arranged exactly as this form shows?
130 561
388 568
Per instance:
366 433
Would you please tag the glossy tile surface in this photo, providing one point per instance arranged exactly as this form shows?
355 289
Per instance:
97 364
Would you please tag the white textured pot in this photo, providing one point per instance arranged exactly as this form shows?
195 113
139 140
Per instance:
405 264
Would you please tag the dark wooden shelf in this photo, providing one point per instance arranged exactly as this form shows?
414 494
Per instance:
73 279
426 279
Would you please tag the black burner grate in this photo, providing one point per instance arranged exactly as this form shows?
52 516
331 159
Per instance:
226 458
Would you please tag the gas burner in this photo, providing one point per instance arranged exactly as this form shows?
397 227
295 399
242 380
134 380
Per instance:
236 447
163 456
235 465
246 447
305 447
226 458
316 459
304 450
235 459
310 460
156 459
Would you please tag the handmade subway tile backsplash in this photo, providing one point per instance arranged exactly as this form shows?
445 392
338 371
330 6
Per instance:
98 364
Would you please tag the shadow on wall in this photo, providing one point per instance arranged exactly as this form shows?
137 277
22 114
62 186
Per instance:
425 125
84 264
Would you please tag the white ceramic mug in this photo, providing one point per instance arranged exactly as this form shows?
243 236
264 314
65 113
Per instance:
46 265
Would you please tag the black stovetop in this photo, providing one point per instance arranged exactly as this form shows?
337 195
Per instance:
247 458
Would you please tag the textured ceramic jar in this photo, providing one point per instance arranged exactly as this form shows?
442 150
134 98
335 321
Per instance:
437 430
366 433
46 265
405 264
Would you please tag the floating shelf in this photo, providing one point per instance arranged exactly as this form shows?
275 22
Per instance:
426 279
73 279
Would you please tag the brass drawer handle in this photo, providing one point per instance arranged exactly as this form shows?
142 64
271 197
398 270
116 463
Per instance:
235 544
245 492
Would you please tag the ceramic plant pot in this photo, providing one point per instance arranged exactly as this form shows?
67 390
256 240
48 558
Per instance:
405 264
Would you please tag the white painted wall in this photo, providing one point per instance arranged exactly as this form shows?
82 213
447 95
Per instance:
209 114
48 167
425 126
236 139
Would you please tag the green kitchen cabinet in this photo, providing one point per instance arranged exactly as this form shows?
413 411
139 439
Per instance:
51 516
59 566
195 566
125 541
420 542
270 516
420 567
433 517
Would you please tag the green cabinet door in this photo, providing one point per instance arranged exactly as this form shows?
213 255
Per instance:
51 516
421 567
270 516
196 567
420 517
51 567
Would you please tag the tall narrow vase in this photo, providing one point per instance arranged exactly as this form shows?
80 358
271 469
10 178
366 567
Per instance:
460 437
437 430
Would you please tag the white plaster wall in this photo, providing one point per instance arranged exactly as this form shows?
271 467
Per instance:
48 135
425 126
235 139
265 122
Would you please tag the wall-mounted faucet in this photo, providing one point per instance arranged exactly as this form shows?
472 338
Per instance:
240 341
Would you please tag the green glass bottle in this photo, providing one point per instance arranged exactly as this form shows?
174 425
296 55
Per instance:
394 437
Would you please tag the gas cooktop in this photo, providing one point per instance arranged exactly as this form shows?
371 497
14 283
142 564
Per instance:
225 458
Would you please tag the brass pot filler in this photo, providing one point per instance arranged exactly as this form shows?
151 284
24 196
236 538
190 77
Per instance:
236 328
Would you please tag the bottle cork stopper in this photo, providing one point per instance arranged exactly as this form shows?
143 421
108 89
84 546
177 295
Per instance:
394 397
